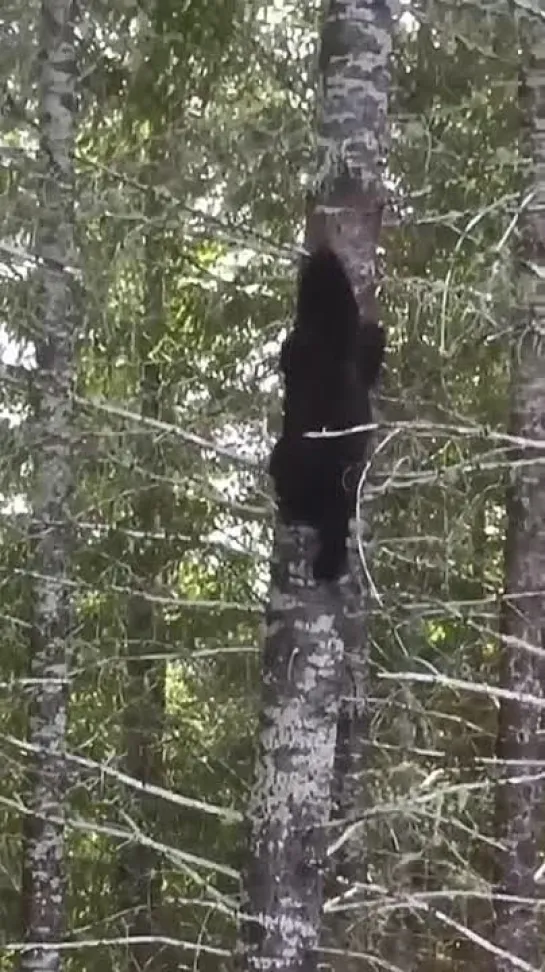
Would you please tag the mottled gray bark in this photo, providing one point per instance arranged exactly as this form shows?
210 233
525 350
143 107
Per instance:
347 209
290 803
43 838
352 130
519 814
308 625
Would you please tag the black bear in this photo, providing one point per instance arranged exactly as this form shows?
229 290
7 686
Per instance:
330 361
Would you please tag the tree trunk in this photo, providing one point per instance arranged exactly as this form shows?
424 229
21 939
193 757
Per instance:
347 209
144 710
43 882
308 626
519 749
290 803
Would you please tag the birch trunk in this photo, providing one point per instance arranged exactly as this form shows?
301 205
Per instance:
43 896
347 209
520 793
290 803
307 626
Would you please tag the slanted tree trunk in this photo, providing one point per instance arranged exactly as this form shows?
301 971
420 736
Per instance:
308 626
43 883
519 796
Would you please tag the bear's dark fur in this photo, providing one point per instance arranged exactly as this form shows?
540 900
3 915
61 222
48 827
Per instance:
330 361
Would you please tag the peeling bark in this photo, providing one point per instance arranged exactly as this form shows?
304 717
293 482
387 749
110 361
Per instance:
43 836
519 814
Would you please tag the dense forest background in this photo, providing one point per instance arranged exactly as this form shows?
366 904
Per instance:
194 144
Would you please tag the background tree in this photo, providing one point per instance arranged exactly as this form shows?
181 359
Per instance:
520 790
52 432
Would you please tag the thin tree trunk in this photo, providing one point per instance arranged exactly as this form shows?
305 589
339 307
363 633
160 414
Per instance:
144 710
519 814
43 883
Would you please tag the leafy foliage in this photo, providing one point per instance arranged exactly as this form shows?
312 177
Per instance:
195 144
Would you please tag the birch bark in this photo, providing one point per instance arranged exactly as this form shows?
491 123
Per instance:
308 626
43 895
